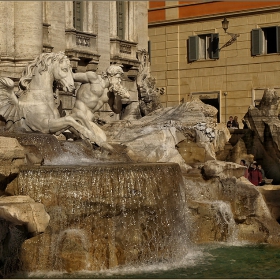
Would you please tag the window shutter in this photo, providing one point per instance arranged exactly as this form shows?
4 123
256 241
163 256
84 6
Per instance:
149 50
78 15
278 39
193 48
257 41
120 19
215 46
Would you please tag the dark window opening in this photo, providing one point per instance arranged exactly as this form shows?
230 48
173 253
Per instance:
202 47
265 40
213 102
270 39
120 19
77 15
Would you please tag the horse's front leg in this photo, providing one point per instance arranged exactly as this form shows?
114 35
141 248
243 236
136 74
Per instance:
64 123
79 116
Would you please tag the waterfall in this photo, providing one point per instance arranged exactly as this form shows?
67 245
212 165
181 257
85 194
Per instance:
225 221
105 215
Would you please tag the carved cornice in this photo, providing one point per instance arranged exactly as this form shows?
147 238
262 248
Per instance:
123 52
213 16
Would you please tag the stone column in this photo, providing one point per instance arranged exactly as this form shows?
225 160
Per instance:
28 29
103 31
141 24
7 31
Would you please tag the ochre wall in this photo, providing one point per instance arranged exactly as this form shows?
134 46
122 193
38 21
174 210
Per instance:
236 72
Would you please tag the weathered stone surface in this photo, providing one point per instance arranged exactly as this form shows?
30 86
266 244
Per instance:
221 169
191 152
23 210
211 221
154 138
11 238
226 207
12 155
271 196
264 142
239 152
159 146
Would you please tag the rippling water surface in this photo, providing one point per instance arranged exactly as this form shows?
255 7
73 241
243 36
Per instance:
206 261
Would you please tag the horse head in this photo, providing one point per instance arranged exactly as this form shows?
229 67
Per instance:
57 65
62 72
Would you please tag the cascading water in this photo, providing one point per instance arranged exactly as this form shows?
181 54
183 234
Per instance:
105 216
225 221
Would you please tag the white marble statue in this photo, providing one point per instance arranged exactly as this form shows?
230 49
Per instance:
33 107
96 90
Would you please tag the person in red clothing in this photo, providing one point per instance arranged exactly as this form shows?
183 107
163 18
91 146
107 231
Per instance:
255 176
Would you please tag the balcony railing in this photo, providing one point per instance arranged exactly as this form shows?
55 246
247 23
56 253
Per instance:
81 46
123 52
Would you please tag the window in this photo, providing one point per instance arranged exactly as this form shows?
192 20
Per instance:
265 40
120 18
149 50
211 98
202 47
78 15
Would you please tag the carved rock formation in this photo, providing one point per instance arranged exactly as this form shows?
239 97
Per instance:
262 140
23 210
12 155
148 94
224 206
164 135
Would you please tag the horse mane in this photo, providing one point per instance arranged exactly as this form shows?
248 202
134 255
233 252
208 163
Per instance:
42 62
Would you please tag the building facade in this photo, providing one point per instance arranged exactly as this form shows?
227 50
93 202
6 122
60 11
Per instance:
192 55
93 34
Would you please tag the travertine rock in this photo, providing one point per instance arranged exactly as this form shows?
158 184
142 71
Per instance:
222 169
23 210
157 136
271 194
264 141
12 156
226 206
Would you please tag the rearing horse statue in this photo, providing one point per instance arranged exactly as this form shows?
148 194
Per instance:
33 107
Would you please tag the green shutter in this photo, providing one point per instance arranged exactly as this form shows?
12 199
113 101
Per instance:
278 39
120 18
257 41
149 50
78 15
215 46
193 48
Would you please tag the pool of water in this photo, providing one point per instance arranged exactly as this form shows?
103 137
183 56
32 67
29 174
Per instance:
202 262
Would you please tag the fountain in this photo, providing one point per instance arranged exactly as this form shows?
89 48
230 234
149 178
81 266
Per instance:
131 192
104 215
105 209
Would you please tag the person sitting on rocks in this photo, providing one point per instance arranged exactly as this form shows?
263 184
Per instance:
235 123
255 175
230 122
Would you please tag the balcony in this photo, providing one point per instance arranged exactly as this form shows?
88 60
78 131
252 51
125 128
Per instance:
81 48
123 52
